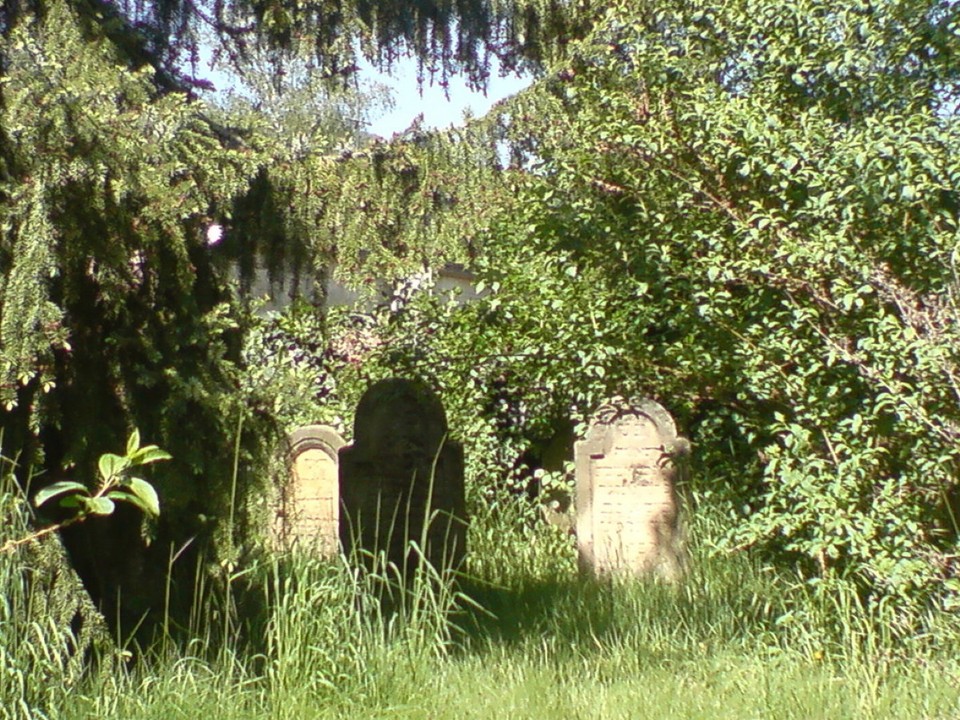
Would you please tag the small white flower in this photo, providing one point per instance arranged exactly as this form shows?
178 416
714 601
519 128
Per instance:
214 234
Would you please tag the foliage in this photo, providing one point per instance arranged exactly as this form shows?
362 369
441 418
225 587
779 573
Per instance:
368 214
303 124
114 310
446 37
49 629
748 212
291 368
544 643
766 196
112 315
115 485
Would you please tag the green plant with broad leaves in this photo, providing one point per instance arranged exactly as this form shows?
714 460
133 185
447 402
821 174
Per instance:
763 196
116 484
748 211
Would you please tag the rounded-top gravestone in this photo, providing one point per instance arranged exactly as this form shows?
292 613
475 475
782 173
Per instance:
401 481
308 512
627 507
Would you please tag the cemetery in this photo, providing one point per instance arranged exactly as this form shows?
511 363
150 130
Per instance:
402 481
632 393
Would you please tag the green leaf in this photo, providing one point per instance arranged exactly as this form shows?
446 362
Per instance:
146 494
58 488
121 496
133 444
100 505
111 466
149 454
129 497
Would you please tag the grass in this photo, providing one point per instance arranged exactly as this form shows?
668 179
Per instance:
522 636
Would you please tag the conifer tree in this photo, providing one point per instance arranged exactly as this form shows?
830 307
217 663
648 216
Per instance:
114 311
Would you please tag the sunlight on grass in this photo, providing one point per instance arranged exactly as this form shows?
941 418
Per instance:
524 638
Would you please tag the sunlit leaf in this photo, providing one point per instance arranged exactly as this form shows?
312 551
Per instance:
58 488
133 443
100 505
111 466
149 454
146 494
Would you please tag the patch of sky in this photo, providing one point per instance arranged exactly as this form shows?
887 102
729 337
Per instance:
407 102
440 107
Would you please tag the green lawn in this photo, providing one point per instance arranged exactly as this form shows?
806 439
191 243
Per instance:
524 638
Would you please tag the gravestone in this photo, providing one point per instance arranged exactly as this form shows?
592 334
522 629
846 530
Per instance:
308 513
402 479
627 508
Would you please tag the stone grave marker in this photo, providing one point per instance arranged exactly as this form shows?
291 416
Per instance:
402 478
627 508
308 513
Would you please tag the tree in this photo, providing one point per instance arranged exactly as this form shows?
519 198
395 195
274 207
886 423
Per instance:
111 315
114 311
769 192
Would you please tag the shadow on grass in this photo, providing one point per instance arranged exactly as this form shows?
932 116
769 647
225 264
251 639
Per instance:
572 606
723 604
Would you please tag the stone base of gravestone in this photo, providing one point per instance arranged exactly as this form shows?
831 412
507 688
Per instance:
307 515
628 516
401 481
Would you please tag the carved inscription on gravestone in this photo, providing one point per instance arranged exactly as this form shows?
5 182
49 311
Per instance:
627 512
402 478
308 515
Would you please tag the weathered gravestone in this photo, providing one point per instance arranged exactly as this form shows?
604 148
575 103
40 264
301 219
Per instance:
627 510
308 513
402 479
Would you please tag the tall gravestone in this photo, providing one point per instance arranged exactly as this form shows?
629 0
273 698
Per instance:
401 480
627 508
308 512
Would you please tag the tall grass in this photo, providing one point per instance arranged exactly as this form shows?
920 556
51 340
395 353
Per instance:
49 634
519 635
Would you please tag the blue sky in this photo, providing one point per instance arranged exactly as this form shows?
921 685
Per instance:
438 110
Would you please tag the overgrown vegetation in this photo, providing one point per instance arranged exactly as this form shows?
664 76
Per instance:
116 311
768 195
523 638
747 210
